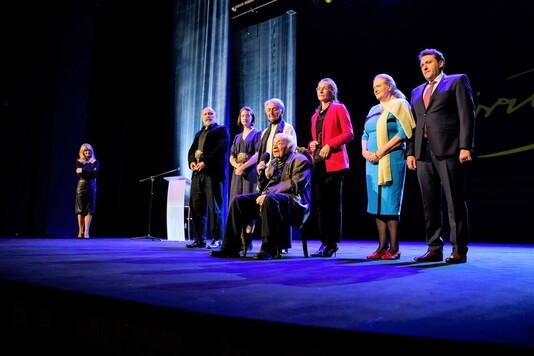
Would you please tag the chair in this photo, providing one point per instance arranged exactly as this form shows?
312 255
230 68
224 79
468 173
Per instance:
304 241
305 152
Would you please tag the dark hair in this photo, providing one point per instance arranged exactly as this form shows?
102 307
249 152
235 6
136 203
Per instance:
432 51
249 109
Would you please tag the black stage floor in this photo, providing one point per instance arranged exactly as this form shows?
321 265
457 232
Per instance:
118 296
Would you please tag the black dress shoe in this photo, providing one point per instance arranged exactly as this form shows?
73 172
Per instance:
196 244
215 244
456 258
430 256
266 255
223 253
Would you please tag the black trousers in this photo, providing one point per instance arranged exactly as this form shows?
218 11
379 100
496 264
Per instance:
442 183
206 197
275 216
327 189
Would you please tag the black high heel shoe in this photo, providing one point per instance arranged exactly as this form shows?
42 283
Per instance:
330 250
320 251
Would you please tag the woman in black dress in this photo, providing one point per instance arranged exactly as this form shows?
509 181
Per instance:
87 168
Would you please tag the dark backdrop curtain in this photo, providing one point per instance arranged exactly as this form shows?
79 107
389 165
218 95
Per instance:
201 62
264 66
104 72
44 86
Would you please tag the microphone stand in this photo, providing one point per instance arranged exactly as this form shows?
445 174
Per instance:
151 178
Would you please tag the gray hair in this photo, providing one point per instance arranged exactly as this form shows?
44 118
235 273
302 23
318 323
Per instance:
290 140
278 103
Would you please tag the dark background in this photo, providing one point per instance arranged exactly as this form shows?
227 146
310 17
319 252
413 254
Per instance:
102 72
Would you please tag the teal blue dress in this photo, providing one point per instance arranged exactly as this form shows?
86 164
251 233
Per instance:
384 199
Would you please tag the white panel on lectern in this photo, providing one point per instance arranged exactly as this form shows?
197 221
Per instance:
177 192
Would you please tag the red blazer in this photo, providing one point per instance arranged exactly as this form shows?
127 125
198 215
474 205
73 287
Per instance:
337 132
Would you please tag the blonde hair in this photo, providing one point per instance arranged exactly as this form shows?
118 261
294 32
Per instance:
390 81
83 148
333 88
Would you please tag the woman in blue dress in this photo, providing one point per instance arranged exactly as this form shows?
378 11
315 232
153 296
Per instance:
243 159
388 125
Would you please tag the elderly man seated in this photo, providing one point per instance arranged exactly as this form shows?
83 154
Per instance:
282 201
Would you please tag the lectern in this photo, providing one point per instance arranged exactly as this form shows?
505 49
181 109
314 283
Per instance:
176 202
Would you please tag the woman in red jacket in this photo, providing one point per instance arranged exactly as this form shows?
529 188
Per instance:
331 130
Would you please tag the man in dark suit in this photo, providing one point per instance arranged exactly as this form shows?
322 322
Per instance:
207 159
440 149
283 201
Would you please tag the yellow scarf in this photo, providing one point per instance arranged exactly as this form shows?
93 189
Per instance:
401 110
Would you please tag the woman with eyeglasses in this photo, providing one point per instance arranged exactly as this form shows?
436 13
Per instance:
331 130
